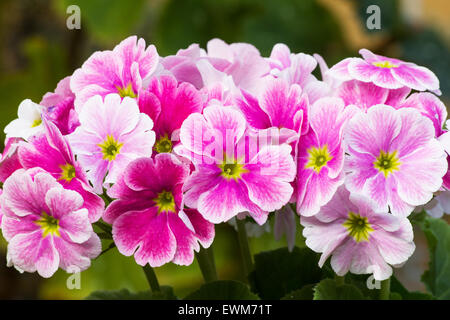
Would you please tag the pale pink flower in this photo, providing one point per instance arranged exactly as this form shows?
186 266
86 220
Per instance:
358 237
45 225
320 155
385 72
394 158
229 178
124 70
112 133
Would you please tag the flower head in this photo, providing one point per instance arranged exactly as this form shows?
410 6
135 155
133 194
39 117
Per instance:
358 238
394 158
320 156
45 225
148 217
230 178
125 70
385 72
112 133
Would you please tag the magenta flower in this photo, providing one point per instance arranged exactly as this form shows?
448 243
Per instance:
60 108
112 133
320 156
51 152
148 217
280 105
124 70
358 238
168 104
385 72
394 158
9 160
45 225
230 175
1 214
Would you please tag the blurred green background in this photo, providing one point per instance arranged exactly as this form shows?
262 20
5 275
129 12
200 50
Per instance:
37 50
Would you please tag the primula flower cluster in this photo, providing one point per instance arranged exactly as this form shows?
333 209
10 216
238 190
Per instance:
164 148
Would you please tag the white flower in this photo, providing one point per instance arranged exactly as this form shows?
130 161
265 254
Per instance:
29 122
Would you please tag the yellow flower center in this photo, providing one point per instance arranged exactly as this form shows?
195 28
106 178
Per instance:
165 201
126 92
163 145
67 172
385 64
110 148
36 123
358 227
387 162
318 158
48 224
232 170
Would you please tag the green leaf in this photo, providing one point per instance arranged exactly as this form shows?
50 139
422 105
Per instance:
398 288
329 289
223 290
279 272
437 277
305 293
124 294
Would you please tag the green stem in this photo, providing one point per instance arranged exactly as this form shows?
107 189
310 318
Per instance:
151 278
243 245
205 259
385 289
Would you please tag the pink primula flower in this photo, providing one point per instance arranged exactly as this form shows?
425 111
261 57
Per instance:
112 133
297 69
320 156
148 217
124 70
438 206
365 94
60 108
230 175
358 238
385 72
183 65
394 158
51 152
45 225
241 61
429 106
168 103
280 105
